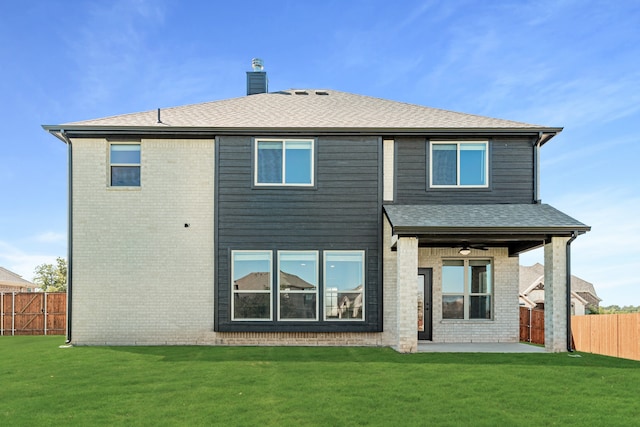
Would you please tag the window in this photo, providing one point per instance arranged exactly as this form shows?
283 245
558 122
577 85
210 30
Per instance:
298 285
466 289
284 162
251 287
124 161
459 164
344 285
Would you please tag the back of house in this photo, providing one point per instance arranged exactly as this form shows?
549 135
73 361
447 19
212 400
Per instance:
306 217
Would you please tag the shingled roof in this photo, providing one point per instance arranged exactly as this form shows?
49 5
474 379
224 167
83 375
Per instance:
534 275
490 218
309 109
10 279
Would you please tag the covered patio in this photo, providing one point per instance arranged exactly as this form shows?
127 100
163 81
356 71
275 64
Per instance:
502 231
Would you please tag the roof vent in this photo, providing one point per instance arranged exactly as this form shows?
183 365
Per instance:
257 64
257 81
301 92
322 92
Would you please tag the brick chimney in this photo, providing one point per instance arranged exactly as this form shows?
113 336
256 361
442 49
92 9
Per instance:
257 81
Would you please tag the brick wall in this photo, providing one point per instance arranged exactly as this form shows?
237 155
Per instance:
504 325
139 275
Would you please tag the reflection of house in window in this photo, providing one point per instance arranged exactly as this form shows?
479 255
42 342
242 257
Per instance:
253 282
298 298
292 282
345 304
252 305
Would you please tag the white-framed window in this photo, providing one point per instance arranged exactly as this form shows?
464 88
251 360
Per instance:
124 165
298 285
287 162
251 285
467 289
344 285
456 164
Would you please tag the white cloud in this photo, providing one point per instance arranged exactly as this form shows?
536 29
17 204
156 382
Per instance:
50 237
605 256
21 263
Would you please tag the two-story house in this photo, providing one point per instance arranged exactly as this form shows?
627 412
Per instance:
307 217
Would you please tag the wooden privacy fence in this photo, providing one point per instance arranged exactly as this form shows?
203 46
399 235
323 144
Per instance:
33 313
531 325
616 335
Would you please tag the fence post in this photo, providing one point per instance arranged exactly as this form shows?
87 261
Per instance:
530 322
13 313
44 326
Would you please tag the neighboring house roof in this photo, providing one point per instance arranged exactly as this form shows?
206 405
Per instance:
291 281
309 109
532 276
262 280
11 279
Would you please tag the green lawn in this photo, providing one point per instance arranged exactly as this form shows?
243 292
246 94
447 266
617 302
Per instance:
42 384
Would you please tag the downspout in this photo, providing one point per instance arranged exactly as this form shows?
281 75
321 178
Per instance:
568 288
69 232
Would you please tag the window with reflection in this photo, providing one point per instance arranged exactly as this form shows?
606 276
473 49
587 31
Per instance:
344 285
298 285
459 164
124 164
467 289
284 162
251 285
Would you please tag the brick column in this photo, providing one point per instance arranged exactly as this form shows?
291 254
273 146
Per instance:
555 295
407 291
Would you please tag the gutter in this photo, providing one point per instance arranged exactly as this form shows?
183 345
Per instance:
568 289
208 132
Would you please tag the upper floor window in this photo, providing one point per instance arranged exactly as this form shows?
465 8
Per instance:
124 161
284 162
459 164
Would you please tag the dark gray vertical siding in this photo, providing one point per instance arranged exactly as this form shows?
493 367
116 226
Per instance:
510 174
342 212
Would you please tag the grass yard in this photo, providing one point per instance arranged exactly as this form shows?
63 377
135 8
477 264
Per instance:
42 384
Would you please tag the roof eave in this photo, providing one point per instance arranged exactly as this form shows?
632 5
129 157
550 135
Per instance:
470 231
89 131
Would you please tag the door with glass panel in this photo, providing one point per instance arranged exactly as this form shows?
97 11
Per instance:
424 304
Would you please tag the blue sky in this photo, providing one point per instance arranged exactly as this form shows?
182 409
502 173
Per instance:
557 63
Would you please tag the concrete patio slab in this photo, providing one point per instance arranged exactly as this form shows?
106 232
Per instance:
429 347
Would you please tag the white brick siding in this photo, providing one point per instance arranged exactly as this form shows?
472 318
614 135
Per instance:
555 294
388 174
139 275
504 327
390 289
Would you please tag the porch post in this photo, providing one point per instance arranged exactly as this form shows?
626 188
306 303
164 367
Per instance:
406 309
555 291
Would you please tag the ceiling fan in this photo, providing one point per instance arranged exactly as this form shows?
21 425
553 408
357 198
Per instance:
466 248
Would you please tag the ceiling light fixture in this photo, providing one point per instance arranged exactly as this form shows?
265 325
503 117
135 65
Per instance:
465 251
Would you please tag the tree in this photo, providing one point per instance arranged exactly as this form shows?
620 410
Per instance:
52 278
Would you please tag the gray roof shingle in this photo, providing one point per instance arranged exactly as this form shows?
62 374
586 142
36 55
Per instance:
490 218
534 274
305 109
8 277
